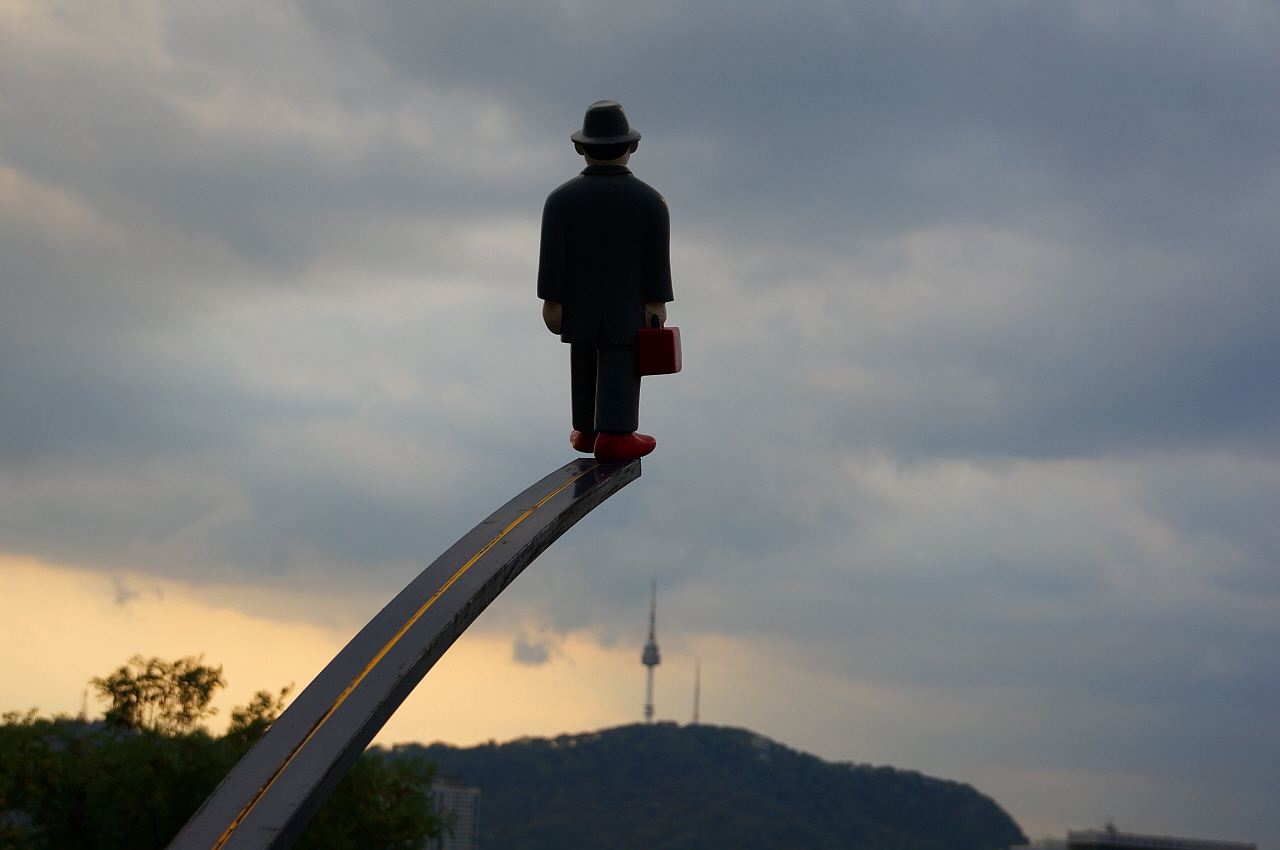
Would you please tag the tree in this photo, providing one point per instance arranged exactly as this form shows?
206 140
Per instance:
382 802
160 696
250 722
132 782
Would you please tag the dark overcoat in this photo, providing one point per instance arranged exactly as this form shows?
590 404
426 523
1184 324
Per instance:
605 253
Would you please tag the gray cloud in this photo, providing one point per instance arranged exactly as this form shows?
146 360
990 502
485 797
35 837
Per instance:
530 653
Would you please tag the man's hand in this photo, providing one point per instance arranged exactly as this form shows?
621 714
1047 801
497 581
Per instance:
553 315
654 308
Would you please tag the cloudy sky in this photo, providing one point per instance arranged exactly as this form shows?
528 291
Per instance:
973 468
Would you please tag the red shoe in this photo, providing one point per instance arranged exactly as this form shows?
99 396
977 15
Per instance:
583 441
620 448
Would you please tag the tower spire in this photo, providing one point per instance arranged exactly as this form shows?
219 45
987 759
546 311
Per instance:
650 658
697 687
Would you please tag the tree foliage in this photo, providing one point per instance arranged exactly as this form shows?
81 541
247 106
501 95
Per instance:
160 696
250 722
132 782
380 803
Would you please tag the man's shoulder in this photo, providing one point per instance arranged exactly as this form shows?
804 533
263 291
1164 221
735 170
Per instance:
641 186
566 187
655 197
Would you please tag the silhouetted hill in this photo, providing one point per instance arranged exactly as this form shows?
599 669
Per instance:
669 787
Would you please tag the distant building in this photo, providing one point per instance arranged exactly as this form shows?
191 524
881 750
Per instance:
456 800
1110 838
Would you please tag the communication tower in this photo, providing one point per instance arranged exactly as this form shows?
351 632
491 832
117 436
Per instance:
650 658
697 687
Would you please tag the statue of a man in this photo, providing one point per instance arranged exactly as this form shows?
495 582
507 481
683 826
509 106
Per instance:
604 272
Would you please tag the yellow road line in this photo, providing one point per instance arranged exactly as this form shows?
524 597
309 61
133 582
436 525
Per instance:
382 654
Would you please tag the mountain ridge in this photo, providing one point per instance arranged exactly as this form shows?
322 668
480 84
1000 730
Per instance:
663 786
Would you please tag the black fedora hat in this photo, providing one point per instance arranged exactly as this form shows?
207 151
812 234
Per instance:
605 124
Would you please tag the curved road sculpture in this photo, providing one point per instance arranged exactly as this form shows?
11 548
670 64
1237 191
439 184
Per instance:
268 797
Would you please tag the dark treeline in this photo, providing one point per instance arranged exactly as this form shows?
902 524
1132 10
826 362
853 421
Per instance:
133 779
665 787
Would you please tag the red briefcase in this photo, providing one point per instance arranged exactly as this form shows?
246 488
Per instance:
659 349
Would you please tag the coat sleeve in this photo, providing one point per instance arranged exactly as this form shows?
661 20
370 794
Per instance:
657 284
552 254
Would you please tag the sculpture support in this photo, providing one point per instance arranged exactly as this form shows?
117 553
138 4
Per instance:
271 794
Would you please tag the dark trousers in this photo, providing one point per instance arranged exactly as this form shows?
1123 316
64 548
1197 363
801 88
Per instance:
605 385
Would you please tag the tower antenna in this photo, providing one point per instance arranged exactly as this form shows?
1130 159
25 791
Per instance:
697 687
650 658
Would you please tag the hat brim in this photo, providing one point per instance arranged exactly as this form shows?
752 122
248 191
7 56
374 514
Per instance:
582 139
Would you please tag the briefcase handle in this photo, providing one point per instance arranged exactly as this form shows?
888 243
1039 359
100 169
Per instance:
654 323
